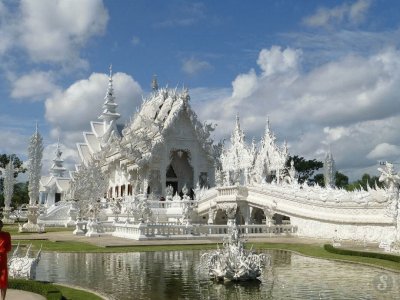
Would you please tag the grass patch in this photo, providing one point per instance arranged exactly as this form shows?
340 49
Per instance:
72 246
42 288
319 252
384 256
75 294
51 291
13 229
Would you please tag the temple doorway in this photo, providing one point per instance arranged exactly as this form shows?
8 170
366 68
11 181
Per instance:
179 172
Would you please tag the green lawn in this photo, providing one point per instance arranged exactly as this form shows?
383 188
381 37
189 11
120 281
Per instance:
13 229
64 246
320 252
74 294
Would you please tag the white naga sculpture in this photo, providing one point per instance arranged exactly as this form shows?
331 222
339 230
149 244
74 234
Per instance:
23 266
233 262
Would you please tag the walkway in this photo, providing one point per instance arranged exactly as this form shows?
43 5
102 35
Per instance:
22 295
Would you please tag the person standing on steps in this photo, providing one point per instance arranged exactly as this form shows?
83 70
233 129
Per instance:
5 247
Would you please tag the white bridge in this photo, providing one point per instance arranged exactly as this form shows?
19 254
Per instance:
316 212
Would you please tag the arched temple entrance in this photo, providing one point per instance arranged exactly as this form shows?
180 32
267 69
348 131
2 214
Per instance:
179 172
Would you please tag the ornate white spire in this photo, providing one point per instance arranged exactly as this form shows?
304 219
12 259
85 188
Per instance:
238 158
57 169
35 154
270 158
329 170
237 134
109 114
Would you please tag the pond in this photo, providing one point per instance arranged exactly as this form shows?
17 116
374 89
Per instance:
174 275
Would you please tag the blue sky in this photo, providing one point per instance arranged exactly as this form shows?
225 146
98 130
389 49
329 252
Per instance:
326 73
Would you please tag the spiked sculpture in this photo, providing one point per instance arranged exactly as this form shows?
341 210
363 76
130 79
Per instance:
35 154
23 266
233 262
9 181
88 187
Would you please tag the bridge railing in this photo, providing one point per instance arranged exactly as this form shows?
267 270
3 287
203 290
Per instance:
177 231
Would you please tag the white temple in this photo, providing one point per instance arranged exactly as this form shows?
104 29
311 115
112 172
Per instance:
163 145
54 188
167 178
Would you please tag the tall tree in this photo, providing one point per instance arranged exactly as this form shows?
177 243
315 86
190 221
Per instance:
341 180
305 168
18 164
365 181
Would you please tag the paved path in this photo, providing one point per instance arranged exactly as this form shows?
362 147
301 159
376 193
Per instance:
22 295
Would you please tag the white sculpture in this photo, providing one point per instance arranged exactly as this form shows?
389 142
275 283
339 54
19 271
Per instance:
23 266
392 184
233 262
88 187
9 181
329 170
35 154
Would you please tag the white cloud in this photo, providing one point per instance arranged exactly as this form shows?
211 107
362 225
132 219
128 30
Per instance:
244 84
69 155
345 13
193 66
71 110
274 60
34 86
17 142
334 134
52 31
384 151
350 103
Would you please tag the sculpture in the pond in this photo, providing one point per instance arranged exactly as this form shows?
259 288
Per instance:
233 262
23 266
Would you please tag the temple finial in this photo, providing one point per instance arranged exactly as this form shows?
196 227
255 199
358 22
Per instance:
110 68
154 83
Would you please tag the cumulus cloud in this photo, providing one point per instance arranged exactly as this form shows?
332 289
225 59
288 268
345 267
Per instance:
69 111
350 104
274 60
193 66
244 84
34 86
345 13
69 155
384 151
52 31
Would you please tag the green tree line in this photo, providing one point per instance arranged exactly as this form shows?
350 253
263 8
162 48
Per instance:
306 169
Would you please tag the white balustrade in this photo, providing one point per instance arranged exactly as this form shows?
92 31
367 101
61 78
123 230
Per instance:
176 231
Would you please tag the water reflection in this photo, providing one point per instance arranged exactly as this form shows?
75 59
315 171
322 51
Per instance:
174 275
